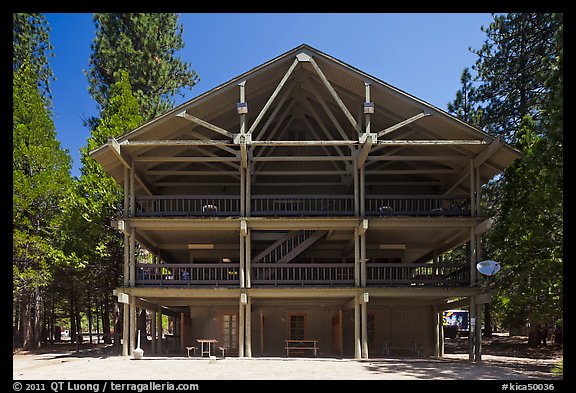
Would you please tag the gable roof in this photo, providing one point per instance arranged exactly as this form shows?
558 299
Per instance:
304 91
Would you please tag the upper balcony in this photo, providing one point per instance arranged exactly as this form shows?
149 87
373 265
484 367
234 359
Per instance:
301 205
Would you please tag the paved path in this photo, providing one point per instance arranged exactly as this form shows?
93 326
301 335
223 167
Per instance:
67 366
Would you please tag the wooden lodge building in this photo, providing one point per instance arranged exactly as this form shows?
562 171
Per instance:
303 200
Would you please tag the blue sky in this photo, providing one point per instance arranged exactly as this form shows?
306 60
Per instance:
421 54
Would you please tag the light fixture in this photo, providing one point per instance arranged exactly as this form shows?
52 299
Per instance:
368 107
200 246
226 260
242 108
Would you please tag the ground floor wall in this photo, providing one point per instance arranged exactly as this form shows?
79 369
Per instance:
332 326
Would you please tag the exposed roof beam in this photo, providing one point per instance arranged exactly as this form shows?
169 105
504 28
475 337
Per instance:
485 154
430 142
335 95
276 110
273 96
417 158
402 124
185 159
113 145
327 110
206 124
176 142
365 149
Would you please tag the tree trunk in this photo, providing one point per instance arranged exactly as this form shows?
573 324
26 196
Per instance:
534 335
89 313
106 321
37 319
487 320
26 326
72 333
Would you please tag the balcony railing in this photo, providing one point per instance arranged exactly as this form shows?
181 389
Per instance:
188 205
417 205
302 205
187 275
424 274
302 274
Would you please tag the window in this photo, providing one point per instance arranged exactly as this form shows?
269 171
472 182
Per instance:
230 331
297 326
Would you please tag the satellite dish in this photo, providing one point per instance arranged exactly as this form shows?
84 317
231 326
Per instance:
488 268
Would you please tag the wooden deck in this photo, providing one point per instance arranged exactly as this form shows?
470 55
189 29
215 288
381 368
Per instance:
301 205
302 274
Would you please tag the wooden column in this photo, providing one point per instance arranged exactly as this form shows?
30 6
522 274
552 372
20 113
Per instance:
247 250
363 260
132 258
133 325
364 328
241 328
441 334
478 338
478 189
436 331
248 190
356 258
472 327
126 330
472 191
248 332
356 189
242 191
132 197
362 192
159 329
357 343
153 333
473 258
242 260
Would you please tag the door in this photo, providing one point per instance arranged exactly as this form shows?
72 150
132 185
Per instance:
230 332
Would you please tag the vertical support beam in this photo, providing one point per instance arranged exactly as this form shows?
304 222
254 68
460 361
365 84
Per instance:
356 258
364 328
472 332
248 332
441 334
132 258
357 344
133 325
159 329
153 330
126 259
248 176
478 338
367 99
436 331
356 189
242 86
247 250
363 260
473 258
242 191
362 192
472 193
132 196
126 329
241 328
242 260
478 189
126 192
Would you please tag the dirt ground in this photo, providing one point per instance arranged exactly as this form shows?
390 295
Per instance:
504 358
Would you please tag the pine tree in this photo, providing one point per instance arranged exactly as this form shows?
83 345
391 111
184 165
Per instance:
41 186
146 46
465 105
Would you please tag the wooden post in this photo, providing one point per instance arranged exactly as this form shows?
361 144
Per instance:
363 260
126 330
132 196
247 262
357 343
356 258
241 329
478 189
133 325
473 259
472 193
248 332
153 331
261 332
362 192
242 260
478 339
364 322
472 326
356 191
436 331
248 190
132 258
242 191
441 333
159 329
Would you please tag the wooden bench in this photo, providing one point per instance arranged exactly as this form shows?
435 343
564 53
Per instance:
410 347
301 345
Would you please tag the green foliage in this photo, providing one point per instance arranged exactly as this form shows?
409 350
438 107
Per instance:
465 105
146 46
41 184
31 45
558 370
520 92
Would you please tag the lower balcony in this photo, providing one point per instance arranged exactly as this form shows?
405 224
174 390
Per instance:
302 274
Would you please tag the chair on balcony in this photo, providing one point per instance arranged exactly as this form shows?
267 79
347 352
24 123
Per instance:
210 209
383 210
